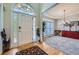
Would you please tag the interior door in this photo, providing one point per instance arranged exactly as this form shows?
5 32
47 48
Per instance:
24 29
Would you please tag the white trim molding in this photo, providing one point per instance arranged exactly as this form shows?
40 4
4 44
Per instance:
1 25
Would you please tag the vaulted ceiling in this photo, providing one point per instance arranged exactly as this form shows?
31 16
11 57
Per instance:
57 11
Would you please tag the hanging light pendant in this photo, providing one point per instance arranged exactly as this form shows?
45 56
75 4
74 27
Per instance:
66 21
64 15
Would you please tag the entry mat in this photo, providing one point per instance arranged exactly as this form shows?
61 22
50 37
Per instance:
35 50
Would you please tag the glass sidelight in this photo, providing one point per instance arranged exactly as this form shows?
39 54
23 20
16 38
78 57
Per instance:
34 30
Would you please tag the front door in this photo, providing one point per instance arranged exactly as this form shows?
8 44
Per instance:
24 29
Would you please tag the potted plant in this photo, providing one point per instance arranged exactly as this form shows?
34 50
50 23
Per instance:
43 30
38 33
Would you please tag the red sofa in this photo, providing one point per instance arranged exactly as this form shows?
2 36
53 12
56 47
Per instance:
70 34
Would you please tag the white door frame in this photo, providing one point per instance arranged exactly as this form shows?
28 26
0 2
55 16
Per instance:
1 25
12 38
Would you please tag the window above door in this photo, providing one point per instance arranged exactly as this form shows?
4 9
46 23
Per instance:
23 8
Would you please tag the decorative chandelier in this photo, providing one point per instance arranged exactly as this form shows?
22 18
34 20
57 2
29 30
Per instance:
65 21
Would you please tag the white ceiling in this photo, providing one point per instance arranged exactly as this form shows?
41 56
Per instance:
46 6
58 10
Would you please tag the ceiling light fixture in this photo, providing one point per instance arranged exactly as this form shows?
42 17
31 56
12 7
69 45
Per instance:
66 21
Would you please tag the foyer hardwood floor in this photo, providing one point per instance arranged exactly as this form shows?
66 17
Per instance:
49 50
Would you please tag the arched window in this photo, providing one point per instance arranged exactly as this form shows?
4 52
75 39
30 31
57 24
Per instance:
23 8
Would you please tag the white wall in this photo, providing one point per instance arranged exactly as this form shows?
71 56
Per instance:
46 6
59 25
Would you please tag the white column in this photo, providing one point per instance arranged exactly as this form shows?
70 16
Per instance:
39 20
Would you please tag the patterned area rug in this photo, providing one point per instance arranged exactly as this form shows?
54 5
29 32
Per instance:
35 50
